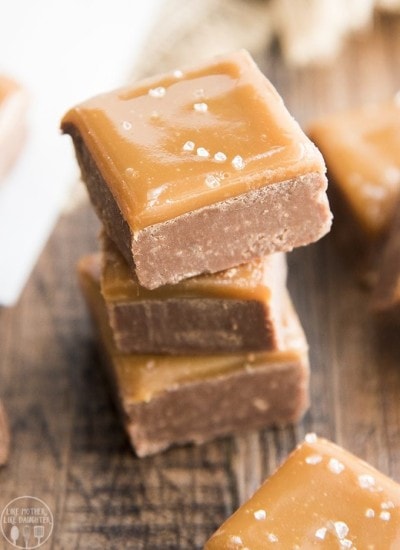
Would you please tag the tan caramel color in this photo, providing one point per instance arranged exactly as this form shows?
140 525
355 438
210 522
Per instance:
175 400
234 311
181 141
321 497
362 152
251 281
140 377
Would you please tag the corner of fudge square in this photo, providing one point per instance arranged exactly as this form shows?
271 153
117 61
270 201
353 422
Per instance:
199 170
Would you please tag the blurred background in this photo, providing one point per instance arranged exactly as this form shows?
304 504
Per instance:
64 52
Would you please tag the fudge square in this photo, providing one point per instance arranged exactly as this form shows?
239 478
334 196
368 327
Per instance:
321 497
236 310
200 170
168 400
361 148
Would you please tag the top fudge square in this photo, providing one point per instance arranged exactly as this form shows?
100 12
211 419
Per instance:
200 170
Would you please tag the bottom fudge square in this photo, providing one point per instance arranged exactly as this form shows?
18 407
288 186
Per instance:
168 400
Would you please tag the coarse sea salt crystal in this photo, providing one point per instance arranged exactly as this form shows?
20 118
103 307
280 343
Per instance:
178 73
126 125
346 543
236 539
341 529
238 162
385 515
335 466
366 481
311 437
369 513
188 146
211 181
272 538
321 533
220 157
260 514
313 459
200 107
386 505
202 152
158 92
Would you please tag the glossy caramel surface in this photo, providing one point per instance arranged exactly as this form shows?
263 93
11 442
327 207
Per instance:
362 152
140 377
184 140
251 281
321 497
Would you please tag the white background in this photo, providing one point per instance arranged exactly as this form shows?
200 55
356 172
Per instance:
63 52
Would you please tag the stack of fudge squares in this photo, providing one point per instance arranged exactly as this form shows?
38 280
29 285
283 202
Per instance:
202 180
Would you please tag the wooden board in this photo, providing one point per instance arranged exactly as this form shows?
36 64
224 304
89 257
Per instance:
68 446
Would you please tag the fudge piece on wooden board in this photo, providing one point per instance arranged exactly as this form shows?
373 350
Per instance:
361 148
321 497
168 400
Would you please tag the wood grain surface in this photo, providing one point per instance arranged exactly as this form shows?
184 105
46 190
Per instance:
68 446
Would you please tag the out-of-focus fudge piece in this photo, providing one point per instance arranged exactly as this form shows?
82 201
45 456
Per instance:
174 400
231 311
13 106
362 152
4 436
321 497
198 171
386 297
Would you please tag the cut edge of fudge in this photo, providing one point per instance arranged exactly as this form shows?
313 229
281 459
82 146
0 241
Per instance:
284 216
251 398
196 322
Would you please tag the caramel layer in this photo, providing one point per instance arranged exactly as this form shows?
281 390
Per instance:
362 152
321 497
251 281
140 377
181 141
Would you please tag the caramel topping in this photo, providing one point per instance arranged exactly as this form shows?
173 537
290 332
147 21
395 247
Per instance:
173 144
321 497
140 377
362 151
252 281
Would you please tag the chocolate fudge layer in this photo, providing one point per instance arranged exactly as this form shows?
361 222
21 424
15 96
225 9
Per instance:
4 436
321 497
198 171
362 152
239 309
13 106
174 400
386 297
